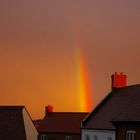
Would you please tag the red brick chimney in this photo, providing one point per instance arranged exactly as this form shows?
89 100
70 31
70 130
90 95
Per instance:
118 80
48 109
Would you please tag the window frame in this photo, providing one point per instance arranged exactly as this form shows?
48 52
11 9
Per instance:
43 137
68 137
130 135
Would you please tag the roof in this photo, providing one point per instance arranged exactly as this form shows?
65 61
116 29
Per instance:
122 104
11 123
62 122
37 123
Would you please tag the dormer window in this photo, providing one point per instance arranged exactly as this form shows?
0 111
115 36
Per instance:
130 135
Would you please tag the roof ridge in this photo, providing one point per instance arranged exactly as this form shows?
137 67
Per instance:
11 107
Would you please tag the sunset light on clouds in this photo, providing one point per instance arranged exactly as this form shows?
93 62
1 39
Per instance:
63 53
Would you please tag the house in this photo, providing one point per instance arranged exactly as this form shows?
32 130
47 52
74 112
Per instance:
118 114
127 123
16 124
127 130
60 125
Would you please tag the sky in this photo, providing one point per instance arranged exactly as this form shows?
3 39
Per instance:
61 52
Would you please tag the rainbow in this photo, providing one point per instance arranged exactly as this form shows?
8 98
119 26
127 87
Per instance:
84 98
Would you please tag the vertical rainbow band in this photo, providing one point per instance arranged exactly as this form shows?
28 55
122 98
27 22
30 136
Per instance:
83 83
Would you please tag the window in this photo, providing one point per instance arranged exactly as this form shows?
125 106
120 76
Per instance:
95 137
43 137
130 135
68 137
87 137
109 138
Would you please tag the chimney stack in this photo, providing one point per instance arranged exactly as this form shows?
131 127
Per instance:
48 109
118 80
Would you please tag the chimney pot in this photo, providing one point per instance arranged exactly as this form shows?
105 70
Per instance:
121 73
116 73
48 109
118 80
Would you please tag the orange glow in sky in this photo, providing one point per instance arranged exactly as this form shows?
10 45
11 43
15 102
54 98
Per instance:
41 64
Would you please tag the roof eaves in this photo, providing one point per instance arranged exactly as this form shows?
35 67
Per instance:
125 123
11 107
100 129
66 132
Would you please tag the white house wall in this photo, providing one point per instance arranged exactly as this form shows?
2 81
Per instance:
31 132
101 134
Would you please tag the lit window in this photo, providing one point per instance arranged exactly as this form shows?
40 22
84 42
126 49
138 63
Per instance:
130 135
43 137
68 137
95 137
109 138
87 137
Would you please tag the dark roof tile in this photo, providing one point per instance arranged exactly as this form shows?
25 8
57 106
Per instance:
11 123
62 122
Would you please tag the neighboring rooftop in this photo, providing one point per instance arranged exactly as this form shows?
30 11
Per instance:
16 124
62 122
11 123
